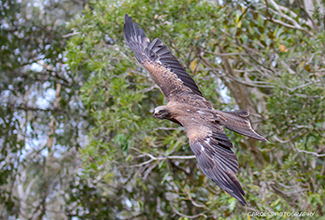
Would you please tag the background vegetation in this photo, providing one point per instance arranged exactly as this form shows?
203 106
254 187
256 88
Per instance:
77 137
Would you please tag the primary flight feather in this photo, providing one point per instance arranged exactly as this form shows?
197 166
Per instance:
187 107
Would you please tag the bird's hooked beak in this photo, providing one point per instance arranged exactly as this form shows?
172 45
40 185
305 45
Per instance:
161 112
156 113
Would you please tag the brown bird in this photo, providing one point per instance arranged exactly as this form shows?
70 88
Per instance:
187 107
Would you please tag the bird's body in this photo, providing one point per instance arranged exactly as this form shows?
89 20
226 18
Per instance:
187 107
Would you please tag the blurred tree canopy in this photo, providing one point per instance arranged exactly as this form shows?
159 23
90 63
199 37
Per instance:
96 152
42 120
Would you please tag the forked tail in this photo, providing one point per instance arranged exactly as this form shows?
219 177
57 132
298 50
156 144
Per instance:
238 121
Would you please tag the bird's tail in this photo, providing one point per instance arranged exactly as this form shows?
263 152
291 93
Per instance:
238 121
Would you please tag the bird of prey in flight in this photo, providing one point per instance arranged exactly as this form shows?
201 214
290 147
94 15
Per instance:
187 107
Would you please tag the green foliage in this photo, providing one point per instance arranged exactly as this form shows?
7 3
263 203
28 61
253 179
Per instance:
275 71
41 118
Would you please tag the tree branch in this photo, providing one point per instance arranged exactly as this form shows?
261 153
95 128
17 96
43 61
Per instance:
280 13
153 158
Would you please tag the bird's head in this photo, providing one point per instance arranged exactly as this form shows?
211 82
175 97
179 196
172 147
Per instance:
162 112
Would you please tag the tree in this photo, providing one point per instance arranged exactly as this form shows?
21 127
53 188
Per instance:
43 122
262 56
266 56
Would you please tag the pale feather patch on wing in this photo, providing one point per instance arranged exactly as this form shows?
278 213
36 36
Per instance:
165 78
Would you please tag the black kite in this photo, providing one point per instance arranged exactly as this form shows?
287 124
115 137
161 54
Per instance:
188 108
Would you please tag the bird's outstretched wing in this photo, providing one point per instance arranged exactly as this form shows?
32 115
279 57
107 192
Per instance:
159 61
212 149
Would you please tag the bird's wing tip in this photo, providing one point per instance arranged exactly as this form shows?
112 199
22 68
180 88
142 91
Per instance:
264 140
